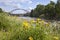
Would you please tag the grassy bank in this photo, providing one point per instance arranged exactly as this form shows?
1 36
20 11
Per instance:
13 28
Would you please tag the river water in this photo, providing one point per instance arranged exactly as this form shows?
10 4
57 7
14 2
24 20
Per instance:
27 18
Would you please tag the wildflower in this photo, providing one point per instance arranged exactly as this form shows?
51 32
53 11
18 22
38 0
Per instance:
42 21
33 21
38 19
56 38
25 24
30 38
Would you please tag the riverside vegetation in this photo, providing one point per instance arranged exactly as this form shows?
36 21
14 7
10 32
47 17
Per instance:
13 28
51 11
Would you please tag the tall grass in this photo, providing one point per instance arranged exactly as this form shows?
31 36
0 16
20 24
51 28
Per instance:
13 28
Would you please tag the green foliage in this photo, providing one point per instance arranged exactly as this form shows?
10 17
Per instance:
1 10
11 28
58 9
37 11
3 20
49 11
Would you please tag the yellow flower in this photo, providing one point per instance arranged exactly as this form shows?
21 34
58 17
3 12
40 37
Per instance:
25 24
33 21
30 38
56 38
38 19
42 21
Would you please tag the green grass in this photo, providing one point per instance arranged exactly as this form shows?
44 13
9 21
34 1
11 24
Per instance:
12 28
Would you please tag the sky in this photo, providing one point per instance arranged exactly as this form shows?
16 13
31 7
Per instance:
8 5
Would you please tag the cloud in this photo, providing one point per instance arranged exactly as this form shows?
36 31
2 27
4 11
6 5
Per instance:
53 0
25 4
8 5
38 2
30 8
30 2
15 3
21 1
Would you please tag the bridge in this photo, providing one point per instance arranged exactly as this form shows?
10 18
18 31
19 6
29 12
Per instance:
18 14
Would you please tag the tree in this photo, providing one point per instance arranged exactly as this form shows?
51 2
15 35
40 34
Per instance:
31 13
1 10
50 10
37 11
58 8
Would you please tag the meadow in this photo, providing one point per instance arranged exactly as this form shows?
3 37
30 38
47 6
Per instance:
13 28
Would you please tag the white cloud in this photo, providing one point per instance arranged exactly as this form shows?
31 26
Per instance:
53 0
38 2
21 1
12 4
30 8
15 3
30 2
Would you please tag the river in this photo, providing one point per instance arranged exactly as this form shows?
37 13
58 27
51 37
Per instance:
28 18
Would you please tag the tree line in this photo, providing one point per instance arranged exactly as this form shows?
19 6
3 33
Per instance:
49 11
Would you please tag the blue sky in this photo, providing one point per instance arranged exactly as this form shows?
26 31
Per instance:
8 5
